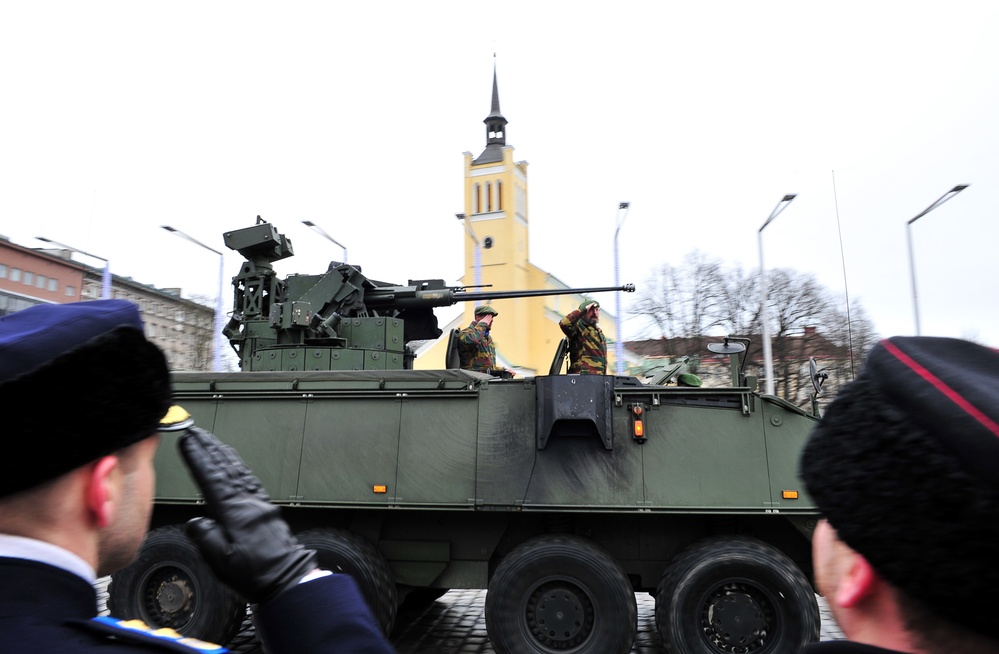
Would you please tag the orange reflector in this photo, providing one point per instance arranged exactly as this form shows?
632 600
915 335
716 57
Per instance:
790 495
639 429
379 488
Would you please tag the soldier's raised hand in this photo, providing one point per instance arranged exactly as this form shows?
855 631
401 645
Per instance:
245 541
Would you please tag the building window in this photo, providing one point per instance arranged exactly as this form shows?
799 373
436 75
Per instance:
40 282
489 196
3 271
70 290
53 285
476 198
15 274
29 277
499 195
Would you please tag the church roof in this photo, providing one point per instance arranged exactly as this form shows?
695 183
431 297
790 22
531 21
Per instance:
495 129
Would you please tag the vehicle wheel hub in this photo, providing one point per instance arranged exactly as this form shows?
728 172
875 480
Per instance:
737 620
173 596
169 598
560 615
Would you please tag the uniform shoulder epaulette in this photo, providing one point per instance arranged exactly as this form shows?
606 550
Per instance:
137 631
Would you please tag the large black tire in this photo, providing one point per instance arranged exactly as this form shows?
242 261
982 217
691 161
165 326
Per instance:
169 585
560 594
735 594
342 551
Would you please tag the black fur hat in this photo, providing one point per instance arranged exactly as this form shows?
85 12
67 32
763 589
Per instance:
77 382
905 466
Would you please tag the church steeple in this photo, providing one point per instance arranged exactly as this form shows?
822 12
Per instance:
495 128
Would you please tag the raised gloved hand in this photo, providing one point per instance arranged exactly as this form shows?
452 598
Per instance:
245 541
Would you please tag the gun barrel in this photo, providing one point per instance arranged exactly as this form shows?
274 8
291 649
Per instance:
465 296
410 297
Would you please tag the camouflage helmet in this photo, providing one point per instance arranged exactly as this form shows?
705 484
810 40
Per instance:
485 310
585 303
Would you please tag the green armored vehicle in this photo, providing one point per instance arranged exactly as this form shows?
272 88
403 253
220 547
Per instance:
563 495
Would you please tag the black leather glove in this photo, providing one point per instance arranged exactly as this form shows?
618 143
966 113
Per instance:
245 541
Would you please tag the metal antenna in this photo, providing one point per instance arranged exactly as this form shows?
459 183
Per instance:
842 258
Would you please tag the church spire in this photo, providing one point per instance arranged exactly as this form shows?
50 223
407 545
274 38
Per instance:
495 127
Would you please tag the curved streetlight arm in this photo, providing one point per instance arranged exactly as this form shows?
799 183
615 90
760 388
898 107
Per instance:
943 198
69 247
319 230
908 237
190 238
786 200
105 275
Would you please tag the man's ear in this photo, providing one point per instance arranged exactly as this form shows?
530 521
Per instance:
859 581
100 491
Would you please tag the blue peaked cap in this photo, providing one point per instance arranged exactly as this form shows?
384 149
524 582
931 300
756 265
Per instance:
91 361
32 337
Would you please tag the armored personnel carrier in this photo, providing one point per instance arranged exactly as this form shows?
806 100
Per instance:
563 495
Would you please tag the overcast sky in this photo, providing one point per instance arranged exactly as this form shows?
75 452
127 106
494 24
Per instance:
120 117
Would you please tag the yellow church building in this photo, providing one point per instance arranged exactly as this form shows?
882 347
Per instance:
497 239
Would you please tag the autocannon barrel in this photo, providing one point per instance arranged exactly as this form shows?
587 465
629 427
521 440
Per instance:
467 296
412 297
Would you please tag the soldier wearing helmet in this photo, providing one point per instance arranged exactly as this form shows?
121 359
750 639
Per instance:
587 345
476 350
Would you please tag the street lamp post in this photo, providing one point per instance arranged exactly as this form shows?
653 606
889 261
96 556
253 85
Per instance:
622 213
908 233
768 362
105 274
219 310
319 230
477 256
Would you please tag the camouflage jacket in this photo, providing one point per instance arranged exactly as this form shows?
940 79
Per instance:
587 345
476 350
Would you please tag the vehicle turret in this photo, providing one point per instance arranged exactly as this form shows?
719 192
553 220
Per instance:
341 319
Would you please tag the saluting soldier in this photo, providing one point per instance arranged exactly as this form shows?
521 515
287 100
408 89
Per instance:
76 490
476 350
587 345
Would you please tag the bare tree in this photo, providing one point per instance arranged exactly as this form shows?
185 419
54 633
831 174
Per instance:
797 303
684 301
740 303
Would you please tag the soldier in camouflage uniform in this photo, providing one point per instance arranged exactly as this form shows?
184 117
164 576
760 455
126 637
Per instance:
476 350
587 345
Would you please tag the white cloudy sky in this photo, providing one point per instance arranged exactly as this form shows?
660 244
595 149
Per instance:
119 117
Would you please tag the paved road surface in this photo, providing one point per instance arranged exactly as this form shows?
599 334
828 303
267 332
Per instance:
455 624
